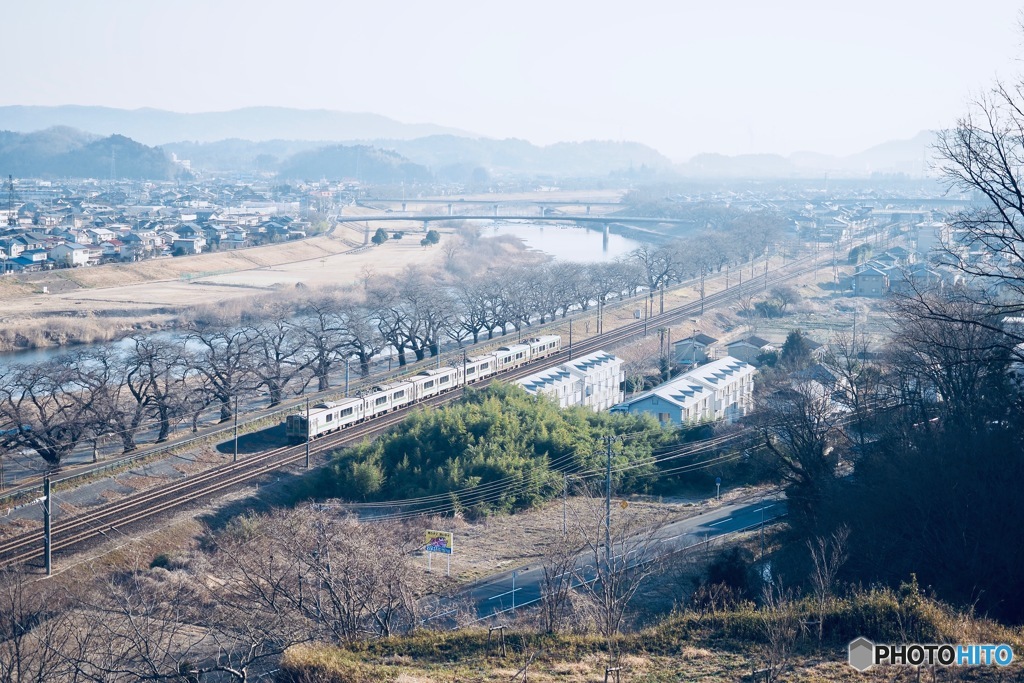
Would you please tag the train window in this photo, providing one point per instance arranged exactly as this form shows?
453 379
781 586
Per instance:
485 366
381 401
398 394
428 385
345 413
443 380
328 417
470 371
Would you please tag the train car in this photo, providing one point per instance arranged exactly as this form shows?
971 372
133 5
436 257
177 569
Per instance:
544 346
376 403
433 382
479 367
323 419
330 417
401 394
508 357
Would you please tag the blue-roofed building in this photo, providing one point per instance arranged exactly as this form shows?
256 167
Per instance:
720 390
594 380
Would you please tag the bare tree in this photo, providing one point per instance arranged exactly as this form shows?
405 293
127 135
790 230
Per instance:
801 428
612 574
828 555
155 374
223 357
984 155
325 335
46 408
780 626
786 296
556 588
33 626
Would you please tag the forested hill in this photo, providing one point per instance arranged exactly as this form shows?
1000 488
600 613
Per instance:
66 152
360 162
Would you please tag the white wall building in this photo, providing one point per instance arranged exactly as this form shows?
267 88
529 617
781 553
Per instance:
720 390
594 381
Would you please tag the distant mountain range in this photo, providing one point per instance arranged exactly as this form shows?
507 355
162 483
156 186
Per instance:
279 139
914 157
158 127
448 157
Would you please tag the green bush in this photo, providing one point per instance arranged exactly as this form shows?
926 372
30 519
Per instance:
500 448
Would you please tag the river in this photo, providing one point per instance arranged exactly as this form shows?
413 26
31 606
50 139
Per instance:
563 242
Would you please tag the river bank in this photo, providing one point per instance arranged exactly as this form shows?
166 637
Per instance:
105 303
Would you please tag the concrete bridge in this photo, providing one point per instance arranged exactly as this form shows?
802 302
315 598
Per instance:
557 218
544 204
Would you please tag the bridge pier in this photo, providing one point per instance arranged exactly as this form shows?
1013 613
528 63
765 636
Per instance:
495 210
426 226
588 209
604 238
403 207
449 209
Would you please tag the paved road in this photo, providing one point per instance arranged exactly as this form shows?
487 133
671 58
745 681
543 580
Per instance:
521 586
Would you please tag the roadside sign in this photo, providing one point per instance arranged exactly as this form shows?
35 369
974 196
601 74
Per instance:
624 504
718 481
439 542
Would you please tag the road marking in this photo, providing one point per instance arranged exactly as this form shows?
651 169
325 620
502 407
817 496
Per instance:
766 507
721 521
495 597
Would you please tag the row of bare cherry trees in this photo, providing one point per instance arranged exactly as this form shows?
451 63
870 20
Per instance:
287 343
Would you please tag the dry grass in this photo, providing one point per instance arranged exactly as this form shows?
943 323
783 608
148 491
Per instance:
502 543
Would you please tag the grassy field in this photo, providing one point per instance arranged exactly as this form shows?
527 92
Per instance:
711 647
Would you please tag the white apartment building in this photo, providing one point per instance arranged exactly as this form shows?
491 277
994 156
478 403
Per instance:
594 381
720 390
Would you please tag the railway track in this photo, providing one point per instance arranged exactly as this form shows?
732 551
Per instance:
113 518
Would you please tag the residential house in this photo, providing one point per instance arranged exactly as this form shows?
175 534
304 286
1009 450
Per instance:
188 246
111 249
749 348
699 348
99 235
870 280
70 255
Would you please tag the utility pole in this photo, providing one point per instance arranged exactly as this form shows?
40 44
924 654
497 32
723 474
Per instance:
47 526
235 459
565 505
346 376
465 377
570 337
307 432
608 503
762 528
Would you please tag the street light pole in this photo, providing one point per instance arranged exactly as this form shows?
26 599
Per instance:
346 376
307 432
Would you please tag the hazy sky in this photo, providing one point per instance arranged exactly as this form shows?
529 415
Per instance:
683 76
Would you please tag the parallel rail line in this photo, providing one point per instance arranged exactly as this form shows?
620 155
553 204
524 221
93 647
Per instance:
74 531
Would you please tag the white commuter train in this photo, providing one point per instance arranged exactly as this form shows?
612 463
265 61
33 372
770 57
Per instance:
325 418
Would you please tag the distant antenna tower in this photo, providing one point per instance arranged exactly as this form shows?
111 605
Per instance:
12 218
113 164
